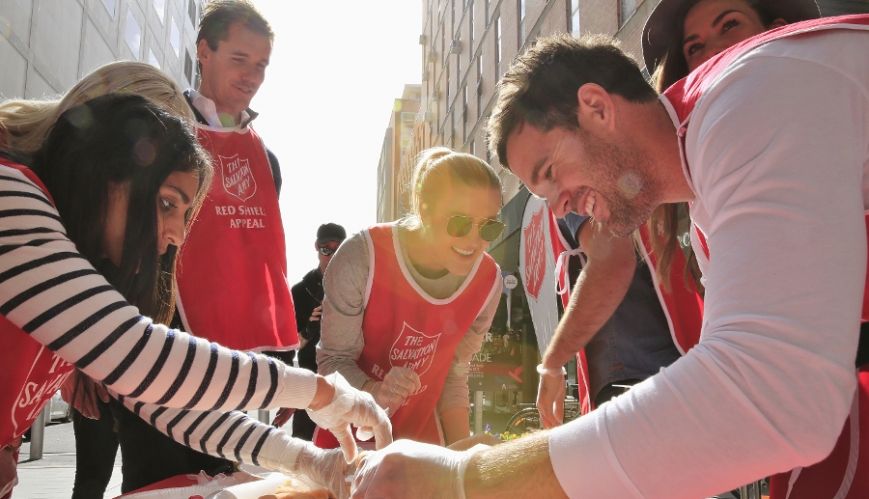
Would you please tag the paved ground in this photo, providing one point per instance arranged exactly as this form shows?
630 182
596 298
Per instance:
52 476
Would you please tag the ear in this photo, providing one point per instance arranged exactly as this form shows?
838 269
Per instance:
203 51
595 108
778 22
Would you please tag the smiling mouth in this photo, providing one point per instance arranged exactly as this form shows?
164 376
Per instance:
463 252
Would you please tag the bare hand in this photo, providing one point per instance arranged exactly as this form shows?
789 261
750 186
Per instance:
316 313
550 399
398 384
84 394
284 414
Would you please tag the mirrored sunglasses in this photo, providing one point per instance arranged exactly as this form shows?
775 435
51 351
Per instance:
326 251
460 226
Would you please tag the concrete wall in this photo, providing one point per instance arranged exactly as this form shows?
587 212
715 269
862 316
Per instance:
48 45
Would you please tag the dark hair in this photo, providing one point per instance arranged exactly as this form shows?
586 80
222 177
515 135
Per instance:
673 66
219 15
121 139
540 87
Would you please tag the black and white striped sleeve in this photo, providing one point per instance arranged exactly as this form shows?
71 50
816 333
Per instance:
54 295
229 435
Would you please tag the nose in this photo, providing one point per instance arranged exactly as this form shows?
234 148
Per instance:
173 234
560 204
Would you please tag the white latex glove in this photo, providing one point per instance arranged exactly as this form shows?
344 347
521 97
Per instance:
327 467
352 406
398 384
412 469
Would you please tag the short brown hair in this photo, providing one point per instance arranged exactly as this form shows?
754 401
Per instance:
219 15
540 87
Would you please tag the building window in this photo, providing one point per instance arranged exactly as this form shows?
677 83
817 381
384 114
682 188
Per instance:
627 9
191 11
111 7
188 67
573 17
471 30
465 111
447 82
480 85
498 47
520 7
152 59
486 12
133 34
160 8
175 37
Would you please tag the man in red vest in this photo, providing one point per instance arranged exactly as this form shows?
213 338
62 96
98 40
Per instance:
768 141
232 275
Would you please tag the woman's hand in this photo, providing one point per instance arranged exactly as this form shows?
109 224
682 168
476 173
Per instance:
84 394
347 406
398 384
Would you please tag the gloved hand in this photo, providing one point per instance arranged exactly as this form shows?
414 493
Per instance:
83 394
398 384
326 467
412 469
352 406
550 396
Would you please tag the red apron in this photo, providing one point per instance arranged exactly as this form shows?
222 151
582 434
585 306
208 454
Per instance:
34 372
232 269
404 326
845 472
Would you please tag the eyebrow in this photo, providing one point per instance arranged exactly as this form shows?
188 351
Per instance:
535 171
184 196
715 22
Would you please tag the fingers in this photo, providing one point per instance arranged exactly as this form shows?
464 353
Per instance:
402 381
550 401
347 442
283 415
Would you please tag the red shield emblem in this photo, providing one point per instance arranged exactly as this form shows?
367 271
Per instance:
47 374
413 349
535 258
238 179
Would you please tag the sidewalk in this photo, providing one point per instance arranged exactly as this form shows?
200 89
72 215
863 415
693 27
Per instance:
52 476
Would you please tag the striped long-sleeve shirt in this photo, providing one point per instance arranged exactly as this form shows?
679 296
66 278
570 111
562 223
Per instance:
184 384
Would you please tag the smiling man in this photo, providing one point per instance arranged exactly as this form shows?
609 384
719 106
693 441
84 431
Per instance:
769 142
232 282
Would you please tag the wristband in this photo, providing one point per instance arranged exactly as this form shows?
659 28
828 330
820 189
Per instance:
548 371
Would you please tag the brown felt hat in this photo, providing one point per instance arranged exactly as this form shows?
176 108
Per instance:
662 23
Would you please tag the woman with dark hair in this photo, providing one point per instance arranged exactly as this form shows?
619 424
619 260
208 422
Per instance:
113 188
407 303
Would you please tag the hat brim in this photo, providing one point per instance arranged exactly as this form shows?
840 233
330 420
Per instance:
662 23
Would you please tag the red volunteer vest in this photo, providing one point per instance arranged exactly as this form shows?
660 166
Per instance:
34 372
404 326
232 269
845 472
682 306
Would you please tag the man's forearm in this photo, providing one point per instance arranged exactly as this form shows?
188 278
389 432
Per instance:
505 470
600 289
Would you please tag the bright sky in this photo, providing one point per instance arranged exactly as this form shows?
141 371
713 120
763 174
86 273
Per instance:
335 71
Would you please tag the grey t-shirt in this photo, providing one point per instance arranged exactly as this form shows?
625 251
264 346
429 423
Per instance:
635 342
341 339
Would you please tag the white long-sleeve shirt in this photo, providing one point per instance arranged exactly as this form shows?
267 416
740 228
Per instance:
53 293
777 153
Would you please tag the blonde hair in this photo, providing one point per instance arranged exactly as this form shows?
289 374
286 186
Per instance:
434 167
24 124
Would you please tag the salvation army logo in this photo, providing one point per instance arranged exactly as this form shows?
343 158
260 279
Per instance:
238 179
535 257
47 373
413 349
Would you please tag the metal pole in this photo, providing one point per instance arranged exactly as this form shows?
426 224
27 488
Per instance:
263 415
478 412
37 433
